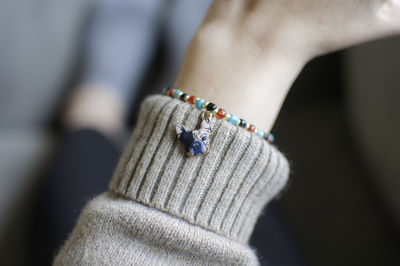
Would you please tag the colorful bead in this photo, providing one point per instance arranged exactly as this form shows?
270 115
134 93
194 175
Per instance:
190 99
177 93
269 137
251 128
233 119
220 113
182 96
211 107
242 123
199 103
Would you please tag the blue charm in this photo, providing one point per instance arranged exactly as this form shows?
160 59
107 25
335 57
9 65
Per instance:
196 142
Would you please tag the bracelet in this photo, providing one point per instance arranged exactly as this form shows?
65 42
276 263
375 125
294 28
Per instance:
196 142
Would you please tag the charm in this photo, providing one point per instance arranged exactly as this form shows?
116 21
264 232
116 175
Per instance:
196 142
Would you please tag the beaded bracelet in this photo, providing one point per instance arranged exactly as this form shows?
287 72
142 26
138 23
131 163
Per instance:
196 142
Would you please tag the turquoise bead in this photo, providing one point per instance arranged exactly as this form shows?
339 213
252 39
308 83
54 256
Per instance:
259 133
199 102
233 119
269 137
175 93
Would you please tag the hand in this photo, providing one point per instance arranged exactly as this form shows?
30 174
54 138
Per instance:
246 54
96 107
317 26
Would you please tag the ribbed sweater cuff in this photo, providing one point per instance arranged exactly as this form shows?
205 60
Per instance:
223 191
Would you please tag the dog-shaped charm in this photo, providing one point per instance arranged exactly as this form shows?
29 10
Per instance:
196 142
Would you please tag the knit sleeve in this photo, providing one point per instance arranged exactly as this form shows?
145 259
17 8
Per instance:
165 207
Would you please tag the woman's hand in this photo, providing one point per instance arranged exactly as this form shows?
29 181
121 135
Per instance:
96 107
311 27
246 54
321 26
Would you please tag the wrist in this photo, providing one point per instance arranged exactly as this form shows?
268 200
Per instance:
227 68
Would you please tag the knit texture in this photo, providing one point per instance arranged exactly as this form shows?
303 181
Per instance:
223 192
115 231
165 208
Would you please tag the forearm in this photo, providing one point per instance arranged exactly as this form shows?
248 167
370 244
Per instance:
244 57
114 231
158 195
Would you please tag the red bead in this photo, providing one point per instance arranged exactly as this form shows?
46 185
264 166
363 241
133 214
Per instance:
251 128
190 100
169 93
220 114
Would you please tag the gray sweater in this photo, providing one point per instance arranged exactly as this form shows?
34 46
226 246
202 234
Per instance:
165 208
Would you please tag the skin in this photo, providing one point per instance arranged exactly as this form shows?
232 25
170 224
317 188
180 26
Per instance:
95 106
246 54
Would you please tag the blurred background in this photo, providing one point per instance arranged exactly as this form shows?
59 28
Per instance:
72 74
